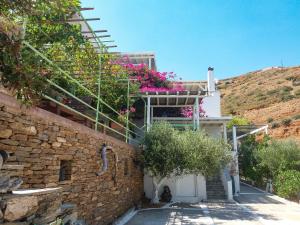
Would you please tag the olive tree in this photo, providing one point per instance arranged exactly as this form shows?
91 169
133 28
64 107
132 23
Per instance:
279 155
172 152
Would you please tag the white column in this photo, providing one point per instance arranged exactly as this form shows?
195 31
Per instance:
149 64
148 113
224 132
197 113
151 115
235 155
194 119
234 138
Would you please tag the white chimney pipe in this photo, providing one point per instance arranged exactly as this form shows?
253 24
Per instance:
211 85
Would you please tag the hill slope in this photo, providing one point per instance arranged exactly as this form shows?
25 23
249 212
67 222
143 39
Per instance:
266 96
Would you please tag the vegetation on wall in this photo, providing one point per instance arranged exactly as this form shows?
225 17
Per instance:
237 120
44 26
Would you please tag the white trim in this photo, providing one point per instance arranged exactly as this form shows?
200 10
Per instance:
148 113
265 128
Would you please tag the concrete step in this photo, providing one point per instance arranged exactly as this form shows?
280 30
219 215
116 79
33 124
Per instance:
214 188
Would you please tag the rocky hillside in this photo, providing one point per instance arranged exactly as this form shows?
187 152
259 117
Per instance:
270 96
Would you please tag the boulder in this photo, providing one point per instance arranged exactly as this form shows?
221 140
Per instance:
20 207
8 184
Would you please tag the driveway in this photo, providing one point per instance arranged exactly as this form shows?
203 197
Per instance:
269 209
252 207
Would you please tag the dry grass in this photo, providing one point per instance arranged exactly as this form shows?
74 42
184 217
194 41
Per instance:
263 96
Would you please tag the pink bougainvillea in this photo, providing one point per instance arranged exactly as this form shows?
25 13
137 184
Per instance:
124 111
188 111
150 80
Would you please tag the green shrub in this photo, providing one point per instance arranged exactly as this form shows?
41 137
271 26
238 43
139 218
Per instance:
262 97
291 78
273 91
296 82
296 117
275 125
236 120
297 93
279 156
286 122
287 97
286 89
287 184
270 120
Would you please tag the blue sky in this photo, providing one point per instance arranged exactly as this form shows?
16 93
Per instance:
187 36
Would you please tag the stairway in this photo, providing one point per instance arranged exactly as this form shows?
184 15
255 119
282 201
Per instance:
215 189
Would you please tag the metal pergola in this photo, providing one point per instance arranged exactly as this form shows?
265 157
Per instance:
194 92
238 133
99 45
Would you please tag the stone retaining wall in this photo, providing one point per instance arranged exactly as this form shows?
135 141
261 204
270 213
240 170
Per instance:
41 142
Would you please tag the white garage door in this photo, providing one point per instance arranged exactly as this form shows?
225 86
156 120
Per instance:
185 186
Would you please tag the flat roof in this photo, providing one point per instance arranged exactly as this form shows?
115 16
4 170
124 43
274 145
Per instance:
187 97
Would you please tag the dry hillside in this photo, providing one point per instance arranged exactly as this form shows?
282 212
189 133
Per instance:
266 96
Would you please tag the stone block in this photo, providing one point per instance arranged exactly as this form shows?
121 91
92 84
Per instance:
43 137
45 145
5 115
20 137
61 139
20 207
20 128
6 133
56 144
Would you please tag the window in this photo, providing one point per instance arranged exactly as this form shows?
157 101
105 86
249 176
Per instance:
65 170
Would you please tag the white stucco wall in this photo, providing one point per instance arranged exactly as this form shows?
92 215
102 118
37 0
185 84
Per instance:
213 130
212 104
197 184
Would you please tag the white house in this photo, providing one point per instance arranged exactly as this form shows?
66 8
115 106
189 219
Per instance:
190 188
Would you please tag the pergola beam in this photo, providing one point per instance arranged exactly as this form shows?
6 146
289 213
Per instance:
95 31
170 96
86 8
101 36
169 106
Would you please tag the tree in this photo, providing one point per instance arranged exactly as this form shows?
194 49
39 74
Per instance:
279 155
249 162
171 152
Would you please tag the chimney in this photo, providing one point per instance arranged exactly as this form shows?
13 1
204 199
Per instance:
211 85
